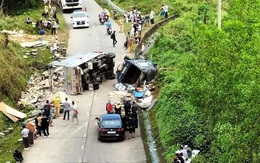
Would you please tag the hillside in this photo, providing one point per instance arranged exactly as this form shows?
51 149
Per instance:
208 99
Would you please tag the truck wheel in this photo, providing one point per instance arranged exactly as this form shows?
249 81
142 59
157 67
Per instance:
86 78
111 55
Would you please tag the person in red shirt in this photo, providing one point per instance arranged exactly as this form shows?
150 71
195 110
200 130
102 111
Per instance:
109 107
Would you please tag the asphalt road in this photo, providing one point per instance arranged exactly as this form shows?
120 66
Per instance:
77 143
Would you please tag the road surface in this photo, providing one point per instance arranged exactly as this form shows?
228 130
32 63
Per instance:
77 143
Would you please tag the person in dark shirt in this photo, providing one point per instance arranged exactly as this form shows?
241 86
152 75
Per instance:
132 126
113 37
45 125
127 107
118 108
18 156
47 111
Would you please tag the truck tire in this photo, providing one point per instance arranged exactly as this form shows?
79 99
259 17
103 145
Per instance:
111 55
86 78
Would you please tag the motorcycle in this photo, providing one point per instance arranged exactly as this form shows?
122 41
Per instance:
109 31
109 27
102 20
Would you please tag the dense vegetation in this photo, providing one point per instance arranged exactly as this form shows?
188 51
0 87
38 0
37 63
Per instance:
208 96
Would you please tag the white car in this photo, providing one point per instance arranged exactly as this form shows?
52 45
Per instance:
80 19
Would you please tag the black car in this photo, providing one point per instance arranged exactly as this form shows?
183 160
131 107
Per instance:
110 126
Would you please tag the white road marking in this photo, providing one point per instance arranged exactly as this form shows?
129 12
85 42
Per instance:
82 147
85 135
87 113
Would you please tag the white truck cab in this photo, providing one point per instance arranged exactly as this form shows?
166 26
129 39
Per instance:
80 19
69 4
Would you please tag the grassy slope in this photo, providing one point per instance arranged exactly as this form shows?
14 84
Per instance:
15 71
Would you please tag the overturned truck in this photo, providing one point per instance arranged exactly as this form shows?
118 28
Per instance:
85 71
136 71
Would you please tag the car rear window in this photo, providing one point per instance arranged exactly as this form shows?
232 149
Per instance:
111 123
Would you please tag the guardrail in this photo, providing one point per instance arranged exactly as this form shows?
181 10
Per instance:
110 3
152 30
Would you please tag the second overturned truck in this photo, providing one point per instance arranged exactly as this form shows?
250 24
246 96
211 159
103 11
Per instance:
136 71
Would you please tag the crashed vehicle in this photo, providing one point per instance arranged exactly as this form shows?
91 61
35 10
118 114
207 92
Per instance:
136 71
84 71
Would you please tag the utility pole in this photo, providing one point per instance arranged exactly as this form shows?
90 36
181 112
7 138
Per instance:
219 13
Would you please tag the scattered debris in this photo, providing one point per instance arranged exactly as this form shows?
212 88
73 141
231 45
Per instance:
11 113
38 88
33 44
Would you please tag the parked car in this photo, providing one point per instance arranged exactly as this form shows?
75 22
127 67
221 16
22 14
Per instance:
110 127
80 19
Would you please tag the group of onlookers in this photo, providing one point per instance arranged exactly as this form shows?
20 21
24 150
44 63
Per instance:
134 36
129 118
43 121
51 21
134 16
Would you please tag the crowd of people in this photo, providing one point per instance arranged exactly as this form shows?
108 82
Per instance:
137 23
49 20
128 111
44 120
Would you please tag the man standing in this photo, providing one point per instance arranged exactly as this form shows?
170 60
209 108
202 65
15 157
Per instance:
113 37
25 134
31 129
45 125
75 112
66 105
109 107
47 111
118 108
121 23
39 123
132 126
56 102
152 14
165 11
130 43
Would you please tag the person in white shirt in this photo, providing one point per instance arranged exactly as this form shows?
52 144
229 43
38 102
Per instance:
25 134
152 14
165 11
75 112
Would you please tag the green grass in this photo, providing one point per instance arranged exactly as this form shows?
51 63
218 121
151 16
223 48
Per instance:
9 143
18 22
